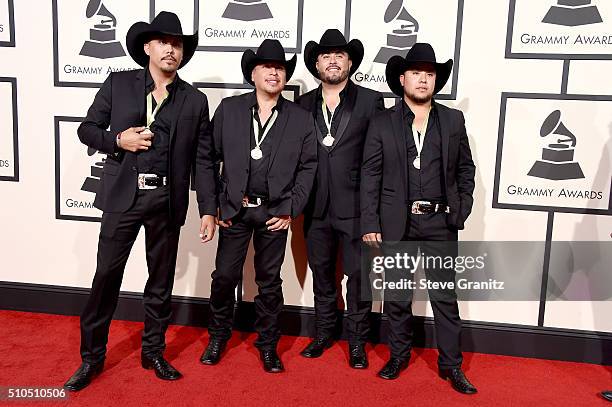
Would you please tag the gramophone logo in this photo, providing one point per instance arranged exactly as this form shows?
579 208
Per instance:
92 182
572 13
89 39
247 10
402 38
78 173
102 41
392 27
553 153
557 161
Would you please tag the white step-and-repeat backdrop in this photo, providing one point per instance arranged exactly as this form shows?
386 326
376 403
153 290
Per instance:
532 77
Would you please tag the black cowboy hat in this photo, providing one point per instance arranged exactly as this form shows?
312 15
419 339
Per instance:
268 51
332 40
165 23
419 53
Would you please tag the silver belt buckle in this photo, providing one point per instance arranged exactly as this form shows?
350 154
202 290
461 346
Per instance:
416 207
246 202
142 181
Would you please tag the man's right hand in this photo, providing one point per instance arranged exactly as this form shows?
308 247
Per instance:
134 139
372 239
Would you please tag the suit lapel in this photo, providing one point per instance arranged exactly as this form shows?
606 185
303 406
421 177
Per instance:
319 134
243 124
279 130
180 96
346 114
397 122
139 90
444 136
313 109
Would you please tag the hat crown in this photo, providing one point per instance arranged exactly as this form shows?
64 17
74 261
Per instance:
271 49
332 37
167 22
421 52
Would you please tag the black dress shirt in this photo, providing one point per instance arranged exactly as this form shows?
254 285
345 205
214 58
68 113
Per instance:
428 182
257 186
155 159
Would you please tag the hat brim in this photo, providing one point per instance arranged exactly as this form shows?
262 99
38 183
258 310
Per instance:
397 65
250 61
354 48
141 32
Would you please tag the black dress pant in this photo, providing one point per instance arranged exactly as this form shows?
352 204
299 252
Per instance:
325 237
423 228
118 232
231 253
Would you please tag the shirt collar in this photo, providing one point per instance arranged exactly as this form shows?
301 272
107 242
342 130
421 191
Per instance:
343 93
409 115
279 103
150 84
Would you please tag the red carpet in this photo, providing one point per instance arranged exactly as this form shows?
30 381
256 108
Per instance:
42 350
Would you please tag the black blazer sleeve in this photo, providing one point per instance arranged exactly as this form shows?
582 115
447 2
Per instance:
306 171
466 171
371 175
92 132
205 164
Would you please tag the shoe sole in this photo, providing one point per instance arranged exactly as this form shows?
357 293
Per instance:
311 356
209 362
274 371
359 367
387 377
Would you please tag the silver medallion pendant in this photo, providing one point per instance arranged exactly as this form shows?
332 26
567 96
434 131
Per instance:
256 153
417 163
328 140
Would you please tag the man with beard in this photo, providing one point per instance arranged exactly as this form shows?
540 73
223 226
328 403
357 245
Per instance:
157 123
268 150
417 158
342 111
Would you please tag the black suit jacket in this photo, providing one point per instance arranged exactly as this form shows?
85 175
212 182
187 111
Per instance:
120 104
292 166
338 173
384 175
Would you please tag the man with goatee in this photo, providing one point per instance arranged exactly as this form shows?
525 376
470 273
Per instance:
342 112
158 125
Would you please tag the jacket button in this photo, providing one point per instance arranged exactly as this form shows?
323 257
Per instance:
247 170
133 168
